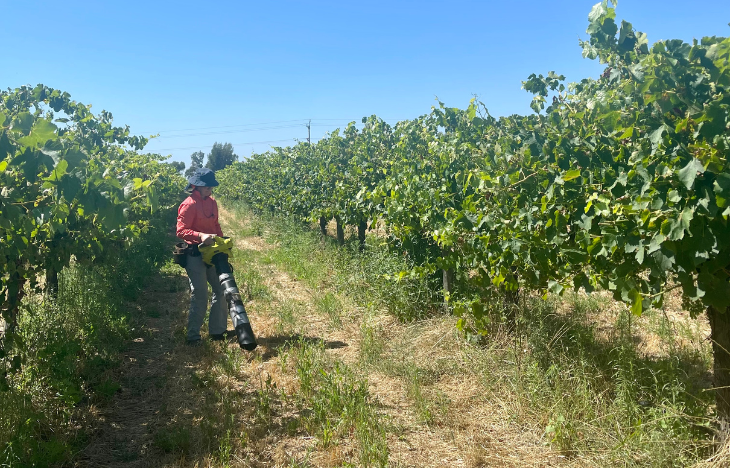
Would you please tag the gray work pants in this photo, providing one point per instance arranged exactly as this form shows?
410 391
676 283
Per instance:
198 274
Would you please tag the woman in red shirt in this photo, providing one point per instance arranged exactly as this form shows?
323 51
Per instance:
197 223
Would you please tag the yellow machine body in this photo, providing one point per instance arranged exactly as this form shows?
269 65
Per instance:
220 245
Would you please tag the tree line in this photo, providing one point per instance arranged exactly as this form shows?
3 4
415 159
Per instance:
220 156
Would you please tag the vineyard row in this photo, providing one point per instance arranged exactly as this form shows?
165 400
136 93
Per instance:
620 183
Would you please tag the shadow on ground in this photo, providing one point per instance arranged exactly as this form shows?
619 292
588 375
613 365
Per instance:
274 345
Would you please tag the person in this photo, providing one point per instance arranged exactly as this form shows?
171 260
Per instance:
197 223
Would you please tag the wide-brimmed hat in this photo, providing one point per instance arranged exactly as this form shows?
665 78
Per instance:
202 177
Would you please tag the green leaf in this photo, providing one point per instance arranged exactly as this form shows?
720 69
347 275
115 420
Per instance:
32 162
681 224
589 51
598 11
627 134
6 147
74 157
153 198
585 223
112 216
717 290
464 222
689 172
555 287
721 185
70 187
22 123
664 258
656 136
58 171
637 71
42 131
581 281
636 302
571 174
471 112
640 255
575 257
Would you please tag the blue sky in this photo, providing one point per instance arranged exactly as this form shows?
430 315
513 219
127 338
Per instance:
253 73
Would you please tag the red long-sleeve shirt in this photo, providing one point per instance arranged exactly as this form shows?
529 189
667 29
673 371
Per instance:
195 216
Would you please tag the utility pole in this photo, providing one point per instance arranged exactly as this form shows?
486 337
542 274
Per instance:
309 131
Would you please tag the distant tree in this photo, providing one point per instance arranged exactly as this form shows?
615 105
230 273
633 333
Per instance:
220 156
196 161
179 165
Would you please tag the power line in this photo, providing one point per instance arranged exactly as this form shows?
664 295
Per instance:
233 144
229 131
302 122
308 124
225 126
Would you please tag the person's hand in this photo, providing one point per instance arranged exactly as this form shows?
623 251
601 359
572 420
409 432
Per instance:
207 239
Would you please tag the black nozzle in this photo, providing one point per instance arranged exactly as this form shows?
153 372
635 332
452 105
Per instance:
244 332
246 339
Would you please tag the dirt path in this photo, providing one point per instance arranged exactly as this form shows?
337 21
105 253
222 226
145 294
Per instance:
126 426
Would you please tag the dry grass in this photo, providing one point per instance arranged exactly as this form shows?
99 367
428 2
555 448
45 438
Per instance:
721 459
649 330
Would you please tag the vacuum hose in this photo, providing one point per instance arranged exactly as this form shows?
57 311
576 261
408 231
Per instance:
219 260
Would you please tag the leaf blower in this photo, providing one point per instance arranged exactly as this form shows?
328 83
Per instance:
217 255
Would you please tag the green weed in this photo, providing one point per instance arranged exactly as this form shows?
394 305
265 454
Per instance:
339 403
423 407
225 449
251 283
330 306
107 388
263 402
174 439
295 463
286 313
371 344
230 360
